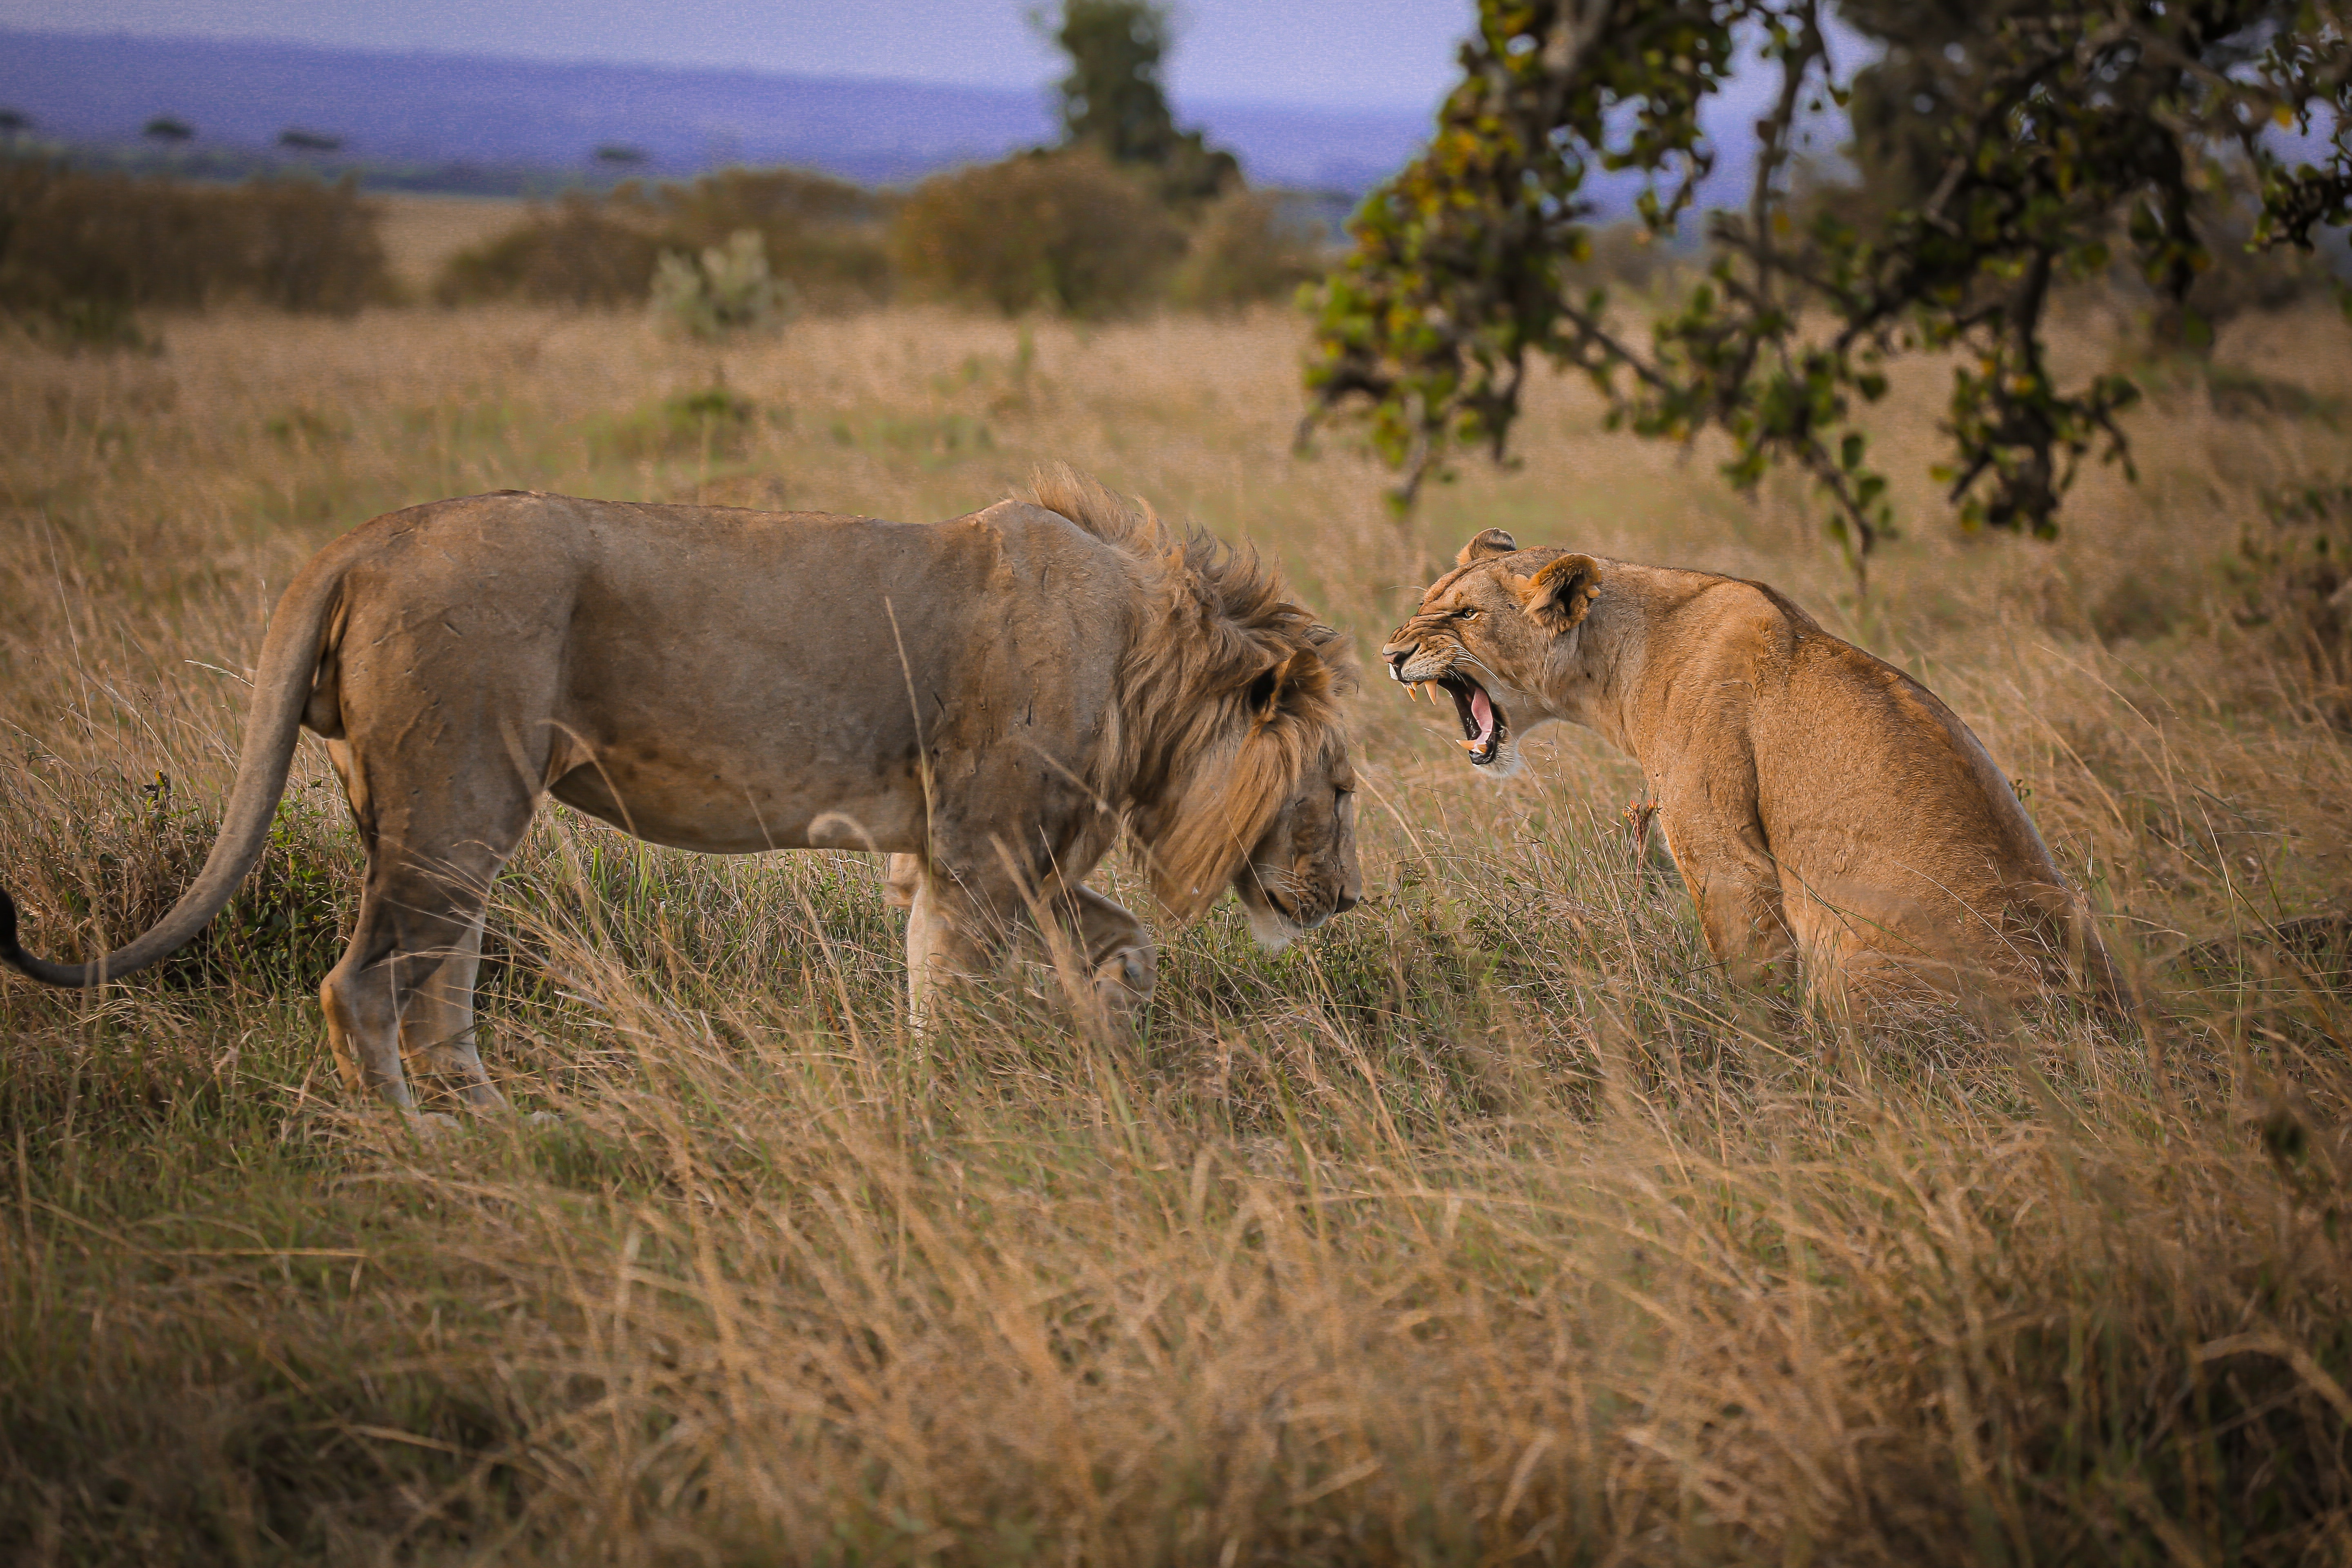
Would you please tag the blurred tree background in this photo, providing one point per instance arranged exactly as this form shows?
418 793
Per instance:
2180 159
1933 53
2005 150
1113 102
1127 212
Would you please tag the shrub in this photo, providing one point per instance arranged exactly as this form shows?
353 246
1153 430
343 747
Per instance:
1247 246
132 855
824 237
1061 231
304 246
820 237
727 289
71 241
81 251
576 253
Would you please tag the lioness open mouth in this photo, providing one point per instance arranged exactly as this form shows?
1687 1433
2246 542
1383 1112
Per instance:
1484 725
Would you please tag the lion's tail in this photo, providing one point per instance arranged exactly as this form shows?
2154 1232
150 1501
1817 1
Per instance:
281 689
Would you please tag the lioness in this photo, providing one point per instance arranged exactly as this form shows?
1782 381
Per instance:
1820 803
991 697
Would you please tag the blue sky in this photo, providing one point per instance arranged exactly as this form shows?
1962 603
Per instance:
1388 54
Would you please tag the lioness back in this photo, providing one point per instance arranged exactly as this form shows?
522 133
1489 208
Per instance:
1900 832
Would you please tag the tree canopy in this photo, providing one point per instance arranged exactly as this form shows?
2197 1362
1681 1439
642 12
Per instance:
2012 147
1112 100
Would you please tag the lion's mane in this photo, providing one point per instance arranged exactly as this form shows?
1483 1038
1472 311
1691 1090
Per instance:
1197 740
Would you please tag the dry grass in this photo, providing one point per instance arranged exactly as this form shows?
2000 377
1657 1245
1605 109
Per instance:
1485 1226
421 233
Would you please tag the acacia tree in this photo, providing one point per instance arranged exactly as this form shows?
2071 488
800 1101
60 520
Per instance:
2075 126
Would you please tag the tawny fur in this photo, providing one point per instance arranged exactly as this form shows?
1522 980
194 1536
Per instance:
1821 804
991 700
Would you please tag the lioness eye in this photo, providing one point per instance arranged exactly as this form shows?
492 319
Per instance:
1468 615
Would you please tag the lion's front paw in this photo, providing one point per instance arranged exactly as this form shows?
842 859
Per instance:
1124 983
430 1126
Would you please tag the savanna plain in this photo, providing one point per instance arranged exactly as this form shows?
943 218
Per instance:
1487 1225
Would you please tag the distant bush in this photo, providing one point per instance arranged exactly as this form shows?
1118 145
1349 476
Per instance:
82 254
820 237
303 245
82 251
1247 246
575 253
1060 231
2240 283
726 290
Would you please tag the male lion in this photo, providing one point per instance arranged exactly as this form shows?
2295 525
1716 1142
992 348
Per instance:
993 699
1820 803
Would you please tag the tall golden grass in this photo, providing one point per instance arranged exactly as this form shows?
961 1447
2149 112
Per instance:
1486 1226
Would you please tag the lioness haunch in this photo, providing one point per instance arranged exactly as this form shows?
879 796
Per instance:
990 699
1820 803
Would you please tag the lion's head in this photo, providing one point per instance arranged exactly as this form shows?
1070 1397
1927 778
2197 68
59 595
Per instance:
1301 866
1486 630
1232 747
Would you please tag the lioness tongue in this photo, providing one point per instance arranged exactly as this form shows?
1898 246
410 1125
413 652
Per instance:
1483 712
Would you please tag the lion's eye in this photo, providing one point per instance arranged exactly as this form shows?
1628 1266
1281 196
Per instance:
1466 615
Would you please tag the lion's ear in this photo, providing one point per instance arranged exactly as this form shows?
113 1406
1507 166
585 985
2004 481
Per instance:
1491 541
1302 678
1557 598
1337 656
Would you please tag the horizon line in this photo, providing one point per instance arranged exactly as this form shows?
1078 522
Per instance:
1044 88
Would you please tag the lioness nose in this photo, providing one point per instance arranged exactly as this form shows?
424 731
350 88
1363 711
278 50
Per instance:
1344 902
1396 656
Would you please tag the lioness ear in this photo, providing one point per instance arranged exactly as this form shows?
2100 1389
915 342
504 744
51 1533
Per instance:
1557 598
1492 541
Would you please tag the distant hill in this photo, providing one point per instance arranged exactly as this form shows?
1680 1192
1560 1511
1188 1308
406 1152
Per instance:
452 121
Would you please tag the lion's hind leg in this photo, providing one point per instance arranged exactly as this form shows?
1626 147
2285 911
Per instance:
1738 889
436 1025
398 941
405 980
404 985
363 1012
